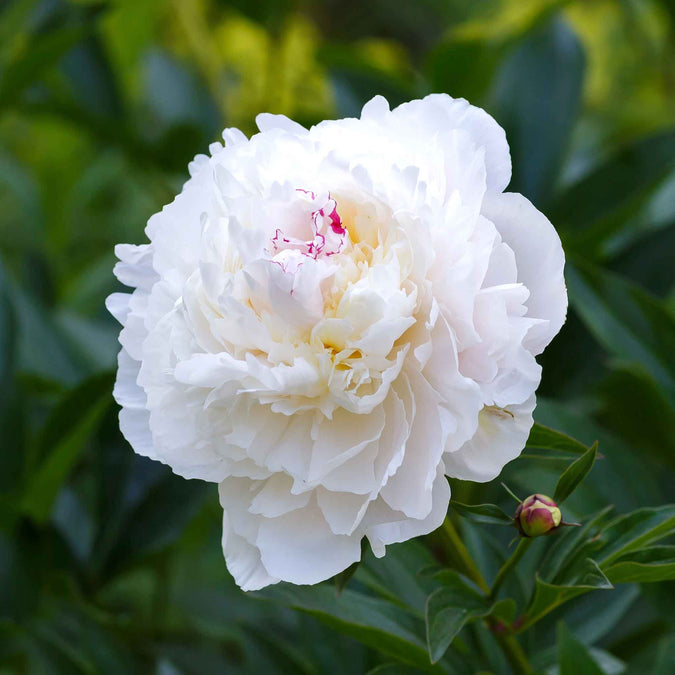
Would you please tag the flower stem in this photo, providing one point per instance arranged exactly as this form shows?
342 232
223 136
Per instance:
470 567
514 654
510 563
510 646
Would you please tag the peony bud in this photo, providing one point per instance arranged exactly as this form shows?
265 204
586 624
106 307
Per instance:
537 515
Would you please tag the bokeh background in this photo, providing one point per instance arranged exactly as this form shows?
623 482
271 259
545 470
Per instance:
108 563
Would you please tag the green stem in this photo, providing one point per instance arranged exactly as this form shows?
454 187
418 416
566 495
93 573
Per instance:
514 654
510 646
510 563
470 567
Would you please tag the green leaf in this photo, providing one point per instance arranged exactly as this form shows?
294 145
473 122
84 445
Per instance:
93 81
89 645
646 258
665 657
37 56
537 100
568 542
62 440
396 577
158 520
545 438
573 657
448 610
392 669
12 424
656 563
634 531
637 409
625 320
41 345
356 79
8 330
482 513
625 178
374 622
585 577
463 67
342 579
626 480
574 474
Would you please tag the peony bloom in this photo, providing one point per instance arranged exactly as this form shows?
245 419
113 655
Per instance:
327 322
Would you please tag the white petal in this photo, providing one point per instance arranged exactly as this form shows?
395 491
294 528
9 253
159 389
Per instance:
276 498
540 261
393 528
240 529
243 560
409 489
375 109
343 511
343 437
268 122
126 390
301 548
500 438
440 111
118 305
135 427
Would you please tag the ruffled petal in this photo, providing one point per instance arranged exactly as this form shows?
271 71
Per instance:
540 261
501 436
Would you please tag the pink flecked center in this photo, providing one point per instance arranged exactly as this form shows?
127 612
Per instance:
329 235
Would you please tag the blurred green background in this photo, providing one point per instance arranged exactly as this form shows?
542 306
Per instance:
108 563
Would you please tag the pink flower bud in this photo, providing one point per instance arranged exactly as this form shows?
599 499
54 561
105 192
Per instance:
537 515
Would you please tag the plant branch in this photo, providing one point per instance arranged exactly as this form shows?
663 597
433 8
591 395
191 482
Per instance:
470 567
514 653
509 645
510 563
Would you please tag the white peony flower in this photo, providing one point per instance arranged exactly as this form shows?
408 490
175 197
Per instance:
327 322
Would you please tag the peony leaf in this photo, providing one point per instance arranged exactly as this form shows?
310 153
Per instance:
482 513
583 578
463 67
567 544
537 100
635 407
573 656
35 59
614 187
665 657
634 531
400 576
158 520
391 669
574 474
62 440
656 563
342 579
42 351
644 255
11 407
546 438
372 621
7 337
449 609
628 322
